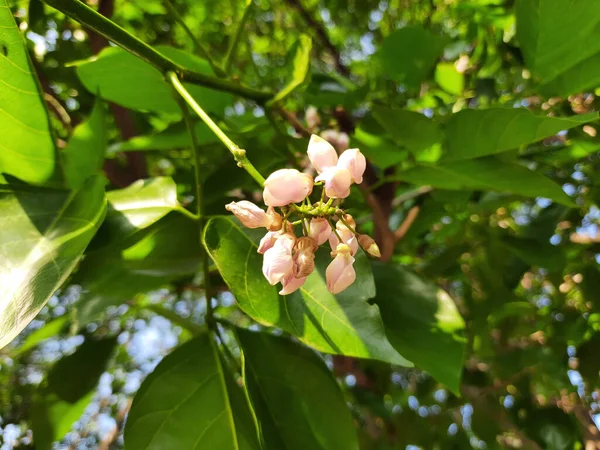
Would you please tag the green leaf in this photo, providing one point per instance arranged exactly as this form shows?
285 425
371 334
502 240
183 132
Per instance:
138 206
409 55
536 253
377 147
67 390
85 153
176 136
297 401
422 323
44 233
576 43
450 79
487 174
26 144
165 251
344 324
574 152
421 135
125 79
49 329
472 133
299 63
184 403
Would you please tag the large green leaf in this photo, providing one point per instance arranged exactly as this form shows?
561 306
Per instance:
26 144
344 324
44 232
575 44
488 174
125 79
409 55
139 205
472 133
299 66
574 152
297 401
68 389
151 258
421 135
422 322
85 153
184 403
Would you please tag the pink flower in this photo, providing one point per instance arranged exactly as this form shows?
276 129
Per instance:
355 162
337 181
348 238
290 284
278 261
287 186
249 214
321 153
320 230
312 117
338 139
340 273
268 241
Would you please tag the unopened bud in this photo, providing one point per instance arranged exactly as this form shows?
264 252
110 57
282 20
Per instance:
368 245
349 220
275 219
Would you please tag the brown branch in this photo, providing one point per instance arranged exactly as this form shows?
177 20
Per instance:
294 122
319 30
410 218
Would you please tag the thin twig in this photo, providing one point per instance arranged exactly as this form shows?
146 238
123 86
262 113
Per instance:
319 29
198 47
410 218
294 122
233 45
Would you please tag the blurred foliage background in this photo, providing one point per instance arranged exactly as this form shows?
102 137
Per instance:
478 118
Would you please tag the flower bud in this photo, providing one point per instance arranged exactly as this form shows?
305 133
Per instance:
338 139
278 261
368 245
320 230
304 257
355 162
275 219
249 214
287 186
321 153
290 284
337 182
340 273
312 117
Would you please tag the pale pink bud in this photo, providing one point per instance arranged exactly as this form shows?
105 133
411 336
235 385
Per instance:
290 284
321 153
339 140
340 273
287 186
349 220
320 230
355 162
267 241
337 182
277 261
249 214
343 142
312 117
347 236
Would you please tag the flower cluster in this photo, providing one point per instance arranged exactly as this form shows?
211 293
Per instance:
289 259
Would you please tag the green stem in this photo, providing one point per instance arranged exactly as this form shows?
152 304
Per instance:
204 260
341 218
231 50
92 19
198 47
175 318
238 154
332 225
